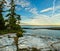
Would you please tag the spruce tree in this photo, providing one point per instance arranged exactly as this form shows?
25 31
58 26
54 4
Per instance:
13 18
2 23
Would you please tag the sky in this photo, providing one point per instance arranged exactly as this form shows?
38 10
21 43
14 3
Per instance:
38 12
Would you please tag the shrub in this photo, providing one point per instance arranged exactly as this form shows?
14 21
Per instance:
19 34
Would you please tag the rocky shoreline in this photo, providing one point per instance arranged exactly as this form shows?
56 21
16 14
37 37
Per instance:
29 43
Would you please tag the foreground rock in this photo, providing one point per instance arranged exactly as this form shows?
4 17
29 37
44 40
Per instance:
28 43
33 42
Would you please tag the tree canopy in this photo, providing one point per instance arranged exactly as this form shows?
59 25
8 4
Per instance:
13 21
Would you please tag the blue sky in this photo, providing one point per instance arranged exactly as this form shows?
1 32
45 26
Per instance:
38 12
37 4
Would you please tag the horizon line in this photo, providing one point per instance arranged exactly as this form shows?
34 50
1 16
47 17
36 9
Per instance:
41 25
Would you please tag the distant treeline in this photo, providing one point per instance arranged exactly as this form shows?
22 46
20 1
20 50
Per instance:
51 28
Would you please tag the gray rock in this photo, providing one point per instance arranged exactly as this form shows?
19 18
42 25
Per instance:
6 41
8 48
27 43
56 46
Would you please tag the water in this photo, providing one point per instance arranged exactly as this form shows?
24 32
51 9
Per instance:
42 32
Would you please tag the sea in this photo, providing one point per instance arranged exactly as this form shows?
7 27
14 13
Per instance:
41 31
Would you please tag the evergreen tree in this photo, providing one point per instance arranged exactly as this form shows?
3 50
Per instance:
14 21
2 23
13 18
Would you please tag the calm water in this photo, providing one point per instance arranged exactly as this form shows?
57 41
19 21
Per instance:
44 32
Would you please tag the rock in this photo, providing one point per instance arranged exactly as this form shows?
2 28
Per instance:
12 35
6 41
8 48
29 42
56 46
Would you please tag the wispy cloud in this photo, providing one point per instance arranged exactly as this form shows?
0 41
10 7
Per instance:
27 6
46 10
7 5
57 7
23 3
50 9
43 20
33 11
8 2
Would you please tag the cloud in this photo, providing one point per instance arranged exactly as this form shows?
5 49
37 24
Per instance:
7 5
50 9
58 7
46 10
23 3
43 20
18 8
28 8
7 2
34 11
27 5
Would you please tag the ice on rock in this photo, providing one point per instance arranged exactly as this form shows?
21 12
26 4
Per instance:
13 35
30 41
6 41
56 46
8 48
27 42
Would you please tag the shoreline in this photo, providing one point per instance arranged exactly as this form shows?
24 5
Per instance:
29 42
53 28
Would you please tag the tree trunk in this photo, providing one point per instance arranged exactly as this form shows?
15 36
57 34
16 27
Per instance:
16 43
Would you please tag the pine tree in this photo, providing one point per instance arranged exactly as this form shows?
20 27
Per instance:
2 23
13 17
14 21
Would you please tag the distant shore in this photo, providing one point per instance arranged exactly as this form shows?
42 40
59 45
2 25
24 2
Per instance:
52 28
